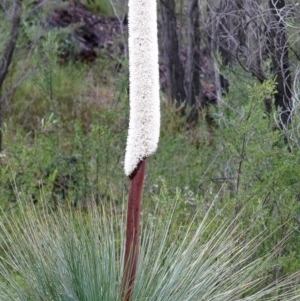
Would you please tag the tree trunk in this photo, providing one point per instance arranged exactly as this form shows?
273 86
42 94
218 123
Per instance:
170 50
278 43
212 47
193 85
227 26
7 57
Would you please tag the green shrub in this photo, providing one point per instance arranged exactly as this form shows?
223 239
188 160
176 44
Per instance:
244 164
70 168
76 255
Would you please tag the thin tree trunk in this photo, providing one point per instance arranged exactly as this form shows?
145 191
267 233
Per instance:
193 61
7 58
213 49
278 42
170 50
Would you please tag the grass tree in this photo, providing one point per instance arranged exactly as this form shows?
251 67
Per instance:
84 256
144 124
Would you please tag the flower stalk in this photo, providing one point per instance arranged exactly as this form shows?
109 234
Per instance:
133 229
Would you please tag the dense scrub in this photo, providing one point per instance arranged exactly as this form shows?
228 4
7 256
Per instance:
241 164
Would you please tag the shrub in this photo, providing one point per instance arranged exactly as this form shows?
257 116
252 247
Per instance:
75 255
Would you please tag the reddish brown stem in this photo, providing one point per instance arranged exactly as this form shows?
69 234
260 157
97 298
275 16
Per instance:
132 229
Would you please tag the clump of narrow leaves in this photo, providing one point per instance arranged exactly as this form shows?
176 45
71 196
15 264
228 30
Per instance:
74 255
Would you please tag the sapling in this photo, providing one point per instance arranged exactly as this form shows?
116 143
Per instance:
144 122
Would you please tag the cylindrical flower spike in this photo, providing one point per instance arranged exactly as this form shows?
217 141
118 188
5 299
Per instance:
144 124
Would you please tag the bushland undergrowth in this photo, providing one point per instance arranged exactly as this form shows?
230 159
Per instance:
244 165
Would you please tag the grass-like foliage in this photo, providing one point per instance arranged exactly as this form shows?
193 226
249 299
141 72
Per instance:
78 256
61 256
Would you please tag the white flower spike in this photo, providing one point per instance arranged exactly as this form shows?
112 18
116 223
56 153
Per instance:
144 123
